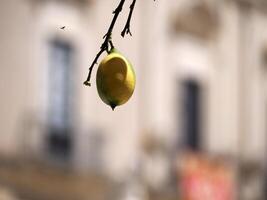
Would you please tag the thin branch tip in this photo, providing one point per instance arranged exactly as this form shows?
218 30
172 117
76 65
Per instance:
87 83
127 27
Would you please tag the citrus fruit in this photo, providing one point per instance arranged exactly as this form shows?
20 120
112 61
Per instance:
115 79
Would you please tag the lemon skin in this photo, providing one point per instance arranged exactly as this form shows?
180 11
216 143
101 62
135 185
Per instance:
115 79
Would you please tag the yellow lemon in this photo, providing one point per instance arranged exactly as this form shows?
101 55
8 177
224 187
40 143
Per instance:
115 79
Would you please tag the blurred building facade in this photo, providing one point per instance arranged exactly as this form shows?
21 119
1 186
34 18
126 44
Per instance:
201 85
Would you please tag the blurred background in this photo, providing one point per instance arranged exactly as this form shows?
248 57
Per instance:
194 129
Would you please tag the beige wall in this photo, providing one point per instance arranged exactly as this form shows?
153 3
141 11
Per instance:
15 48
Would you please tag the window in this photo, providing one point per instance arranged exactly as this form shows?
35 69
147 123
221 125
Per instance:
59 99
191 114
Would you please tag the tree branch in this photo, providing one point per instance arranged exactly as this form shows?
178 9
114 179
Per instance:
107 40
127 28
108 36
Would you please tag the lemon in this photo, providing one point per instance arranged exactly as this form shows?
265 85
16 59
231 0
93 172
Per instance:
115 79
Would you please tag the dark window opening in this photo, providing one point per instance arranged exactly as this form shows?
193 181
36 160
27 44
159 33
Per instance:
191 112
59 137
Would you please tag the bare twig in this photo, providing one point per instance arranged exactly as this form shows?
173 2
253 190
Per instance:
107 41
108 36
127 28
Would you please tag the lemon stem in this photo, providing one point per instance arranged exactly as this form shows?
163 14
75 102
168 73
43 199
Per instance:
111 47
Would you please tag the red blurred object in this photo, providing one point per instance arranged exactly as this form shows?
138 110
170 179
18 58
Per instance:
202 178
